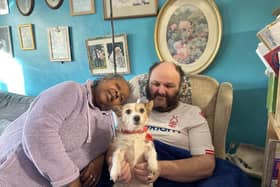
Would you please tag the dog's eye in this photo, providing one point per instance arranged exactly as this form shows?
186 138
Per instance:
128 111
142 110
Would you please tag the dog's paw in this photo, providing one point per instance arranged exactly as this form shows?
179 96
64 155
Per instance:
153 167
114 174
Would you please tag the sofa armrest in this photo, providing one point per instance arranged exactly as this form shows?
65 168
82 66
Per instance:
13 105
222 117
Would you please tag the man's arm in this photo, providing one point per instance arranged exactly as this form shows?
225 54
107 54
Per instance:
187 170
183 170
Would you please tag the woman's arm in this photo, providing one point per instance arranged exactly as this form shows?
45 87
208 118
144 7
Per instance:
41 137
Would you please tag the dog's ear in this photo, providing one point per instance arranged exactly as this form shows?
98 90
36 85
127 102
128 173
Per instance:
149 105
117 109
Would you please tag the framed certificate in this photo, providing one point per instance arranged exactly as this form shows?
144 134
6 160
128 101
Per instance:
26 36
59 44
81 7
4 8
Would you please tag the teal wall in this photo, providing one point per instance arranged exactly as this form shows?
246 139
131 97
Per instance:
30 72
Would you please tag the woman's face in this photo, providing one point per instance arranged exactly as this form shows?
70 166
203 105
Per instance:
111 93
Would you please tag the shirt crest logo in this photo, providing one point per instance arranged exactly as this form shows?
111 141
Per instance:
173 121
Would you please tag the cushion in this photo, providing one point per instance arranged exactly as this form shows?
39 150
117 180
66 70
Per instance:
13 105
139 88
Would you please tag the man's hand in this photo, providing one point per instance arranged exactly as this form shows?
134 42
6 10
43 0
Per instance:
91 174
143 174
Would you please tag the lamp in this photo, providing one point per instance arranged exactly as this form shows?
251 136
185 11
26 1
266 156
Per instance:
113 37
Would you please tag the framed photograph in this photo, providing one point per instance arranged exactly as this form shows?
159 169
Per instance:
54 4
26 36
269 35
25 7
130 8
81 7
101 58
6 49
188 33
4 7
59 44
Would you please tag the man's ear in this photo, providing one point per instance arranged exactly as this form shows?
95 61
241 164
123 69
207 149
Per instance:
117 109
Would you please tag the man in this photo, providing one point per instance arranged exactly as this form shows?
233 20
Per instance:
176 124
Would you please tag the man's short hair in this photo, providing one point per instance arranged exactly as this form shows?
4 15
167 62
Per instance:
177 68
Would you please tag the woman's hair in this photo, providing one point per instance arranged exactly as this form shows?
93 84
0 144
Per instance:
112 77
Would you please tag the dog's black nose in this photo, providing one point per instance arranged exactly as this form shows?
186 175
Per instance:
136 118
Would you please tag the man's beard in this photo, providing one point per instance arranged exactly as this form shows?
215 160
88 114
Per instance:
171 101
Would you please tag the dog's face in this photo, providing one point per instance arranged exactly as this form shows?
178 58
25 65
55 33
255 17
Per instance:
135 115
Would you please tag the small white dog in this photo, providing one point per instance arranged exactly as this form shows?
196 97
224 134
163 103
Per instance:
133 143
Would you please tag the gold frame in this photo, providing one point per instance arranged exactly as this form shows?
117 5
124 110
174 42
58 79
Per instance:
26 36
130 11
191 61
59 44
90 9
100 55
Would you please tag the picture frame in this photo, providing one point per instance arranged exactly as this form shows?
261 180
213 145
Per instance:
26 36
269 35
100 55
54 4
130 8
6 48
81 7
59 44
4 7
25 7
188 33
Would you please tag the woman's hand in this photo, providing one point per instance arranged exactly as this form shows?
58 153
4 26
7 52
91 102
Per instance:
75 183
91 174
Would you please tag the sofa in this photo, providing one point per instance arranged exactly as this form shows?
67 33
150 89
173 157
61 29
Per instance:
214 98
11 106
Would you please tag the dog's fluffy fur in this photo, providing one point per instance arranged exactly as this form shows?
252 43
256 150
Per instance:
131 142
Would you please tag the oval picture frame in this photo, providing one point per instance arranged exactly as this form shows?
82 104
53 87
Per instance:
188 33
54 4
25 7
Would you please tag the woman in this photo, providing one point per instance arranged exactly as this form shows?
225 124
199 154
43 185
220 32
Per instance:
66 127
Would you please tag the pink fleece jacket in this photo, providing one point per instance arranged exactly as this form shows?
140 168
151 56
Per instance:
55 139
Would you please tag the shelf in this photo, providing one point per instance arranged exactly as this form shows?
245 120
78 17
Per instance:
273 127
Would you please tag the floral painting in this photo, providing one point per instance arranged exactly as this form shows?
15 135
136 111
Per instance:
187 34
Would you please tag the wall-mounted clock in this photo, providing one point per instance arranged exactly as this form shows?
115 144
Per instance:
25 7
54 4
